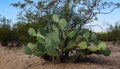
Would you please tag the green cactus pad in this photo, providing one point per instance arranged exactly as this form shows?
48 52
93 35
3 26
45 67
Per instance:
55 36
78 38
106 52
102 46
82 45
51 51
93 36
40 35
62 24
31 32
40 40
27 50
37 52
93 48
71 34
71 45
55 18
31 46
40 47
86 36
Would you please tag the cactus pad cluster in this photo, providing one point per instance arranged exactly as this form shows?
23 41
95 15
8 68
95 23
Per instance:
57 40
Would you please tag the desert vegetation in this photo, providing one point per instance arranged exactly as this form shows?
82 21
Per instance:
55 30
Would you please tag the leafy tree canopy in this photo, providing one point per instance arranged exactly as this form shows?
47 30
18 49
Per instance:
76 12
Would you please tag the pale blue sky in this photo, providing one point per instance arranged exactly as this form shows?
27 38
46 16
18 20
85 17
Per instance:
7 10
10 12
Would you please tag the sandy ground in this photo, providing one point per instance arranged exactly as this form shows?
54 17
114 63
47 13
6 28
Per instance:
15 59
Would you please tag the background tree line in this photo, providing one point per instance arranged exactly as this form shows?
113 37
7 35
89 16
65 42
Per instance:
113 34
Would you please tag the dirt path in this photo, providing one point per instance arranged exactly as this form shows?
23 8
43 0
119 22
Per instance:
15 59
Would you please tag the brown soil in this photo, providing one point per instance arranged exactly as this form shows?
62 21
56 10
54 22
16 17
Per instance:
15 59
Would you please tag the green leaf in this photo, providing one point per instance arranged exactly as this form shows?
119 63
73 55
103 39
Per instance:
27 50
51 51
93 48
62 24
82 45
31 32
55 18
102 46
31 46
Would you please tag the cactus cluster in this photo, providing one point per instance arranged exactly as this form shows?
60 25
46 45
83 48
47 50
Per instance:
57 40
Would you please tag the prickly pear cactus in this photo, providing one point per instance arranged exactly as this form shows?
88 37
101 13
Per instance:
82 45
58 41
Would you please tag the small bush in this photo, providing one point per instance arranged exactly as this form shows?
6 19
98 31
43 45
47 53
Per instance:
21 31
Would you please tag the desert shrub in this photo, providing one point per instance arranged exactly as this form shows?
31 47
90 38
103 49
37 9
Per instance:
58 42
21 31
113 34
6 32
104 36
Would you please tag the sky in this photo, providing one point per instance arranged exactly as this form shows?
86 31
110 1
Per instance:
102 24
7 10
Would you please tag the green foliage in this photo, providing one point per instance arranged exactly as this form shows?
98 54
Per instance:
57 41
6 32
22 31
113 34
31 11
40 13
104 36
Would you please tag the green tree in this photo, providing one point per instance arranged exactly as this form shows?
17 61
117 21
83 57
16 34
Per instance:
76 12
114 32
